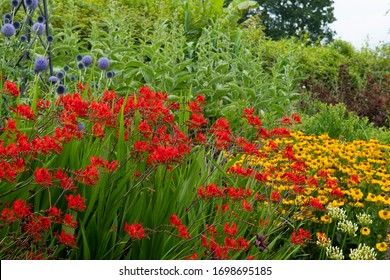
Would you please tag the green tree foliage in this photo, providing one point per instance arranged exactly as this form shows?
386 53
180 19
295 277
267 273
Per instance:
285 18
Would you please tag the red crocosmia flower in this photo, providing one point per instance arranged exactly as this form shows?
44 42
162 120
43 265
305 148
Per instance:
248 112
300 236
135 231
247 206
55 214
98 130
11 88
145 129
201 192
8 215
337 192
66 239
200 98
225 207
230 243
43 177
354 178
193 257
296 118
322 173
275 196
174 220
311 181
211 229
314 202
68 221
230 229
37 225
76 202
242 243
286 120
281 131
24 111
21 209
183 232
200 138
250 258
11 126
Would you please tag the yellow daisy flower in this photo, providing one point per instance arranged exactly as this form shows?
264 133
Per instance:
365 231
326 219
381 246
384 214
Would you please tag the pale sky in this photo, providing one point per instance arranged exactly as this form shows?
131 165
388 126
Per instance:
360 21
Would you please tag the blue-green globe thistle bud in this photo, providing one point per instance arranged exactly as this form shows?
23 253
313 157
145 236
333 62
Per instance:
31 4
8 16
66 68
50 38
61 89
8 30
87 60
14 3
23 39
16 24
72 79
110 75
53 80
60 75
79 57
103 63
41 19
38 28
81 66
40 64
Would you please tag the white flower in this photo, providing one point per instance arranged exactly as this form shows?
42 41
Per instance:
336 213
364 219
362 252
334 253
347 226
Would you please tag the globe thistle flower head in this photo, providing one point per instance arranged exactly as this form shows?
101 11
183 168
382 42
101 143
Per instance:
16 24
103 63
38 28
60 75
79 57
41 19
66 68
40 64
31 4
6 20
53 80
14 3
81 126
23 39
8 30
50 38
87 60
61 89
73 79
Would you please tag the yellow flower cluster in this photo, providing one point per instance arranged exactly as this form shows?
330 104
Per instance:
356 173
